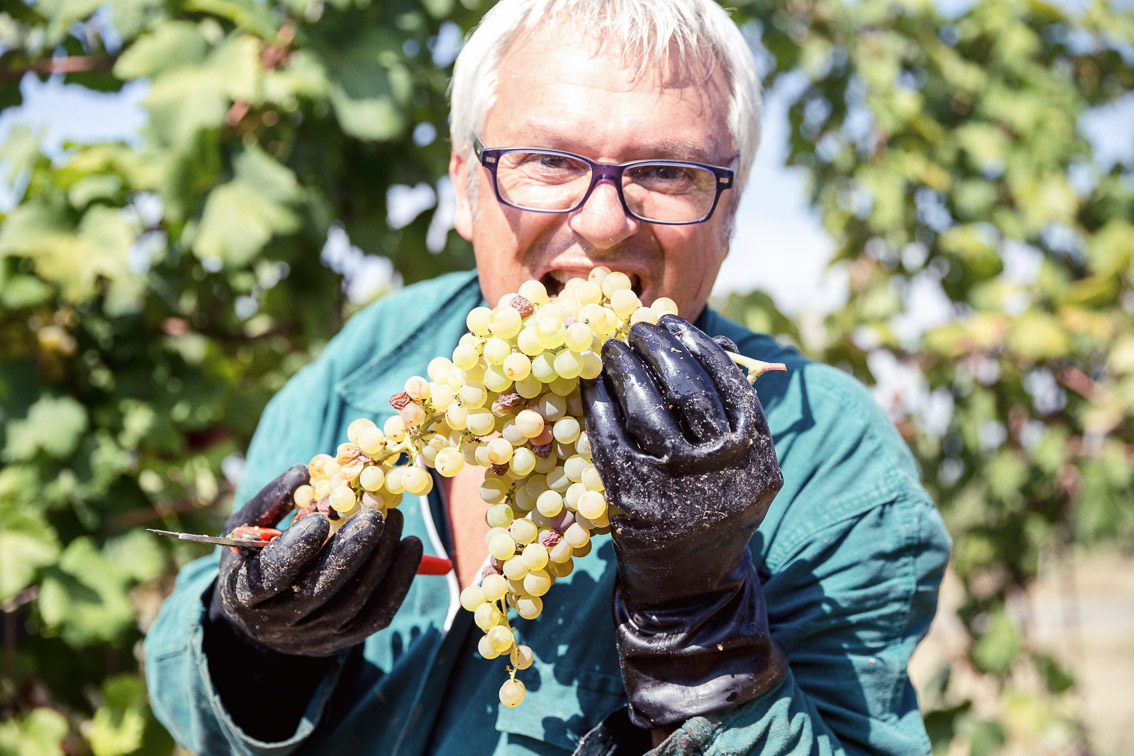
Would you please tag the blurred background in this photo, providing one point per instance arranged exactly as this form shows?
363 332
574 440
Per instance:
196 194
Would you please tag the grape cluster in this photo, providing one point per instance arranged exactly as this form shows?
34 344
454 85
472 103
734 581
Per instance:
508 400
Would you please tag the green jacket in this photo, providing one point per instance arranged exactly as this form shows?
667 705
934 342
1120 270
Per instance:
851 556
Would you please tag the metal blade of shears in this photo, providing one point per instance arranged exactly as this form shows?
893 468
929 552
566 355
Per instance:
244 543
430 565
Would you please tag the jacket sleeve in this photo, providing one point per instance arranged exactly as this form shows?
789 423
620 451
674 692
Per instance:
182 693
848 607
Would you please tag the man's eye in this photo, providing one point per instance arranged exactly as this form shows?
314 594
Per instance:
669 172
543 166
555 162
668 176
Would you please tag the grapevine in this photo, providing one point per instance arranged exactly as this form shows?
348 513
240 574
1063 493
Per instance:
507 400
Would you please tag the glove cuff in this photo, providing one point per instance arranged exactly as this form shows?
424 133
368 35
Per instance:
264 692
690 658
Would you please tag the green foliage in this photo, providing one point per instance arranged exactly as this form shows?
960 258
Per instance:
949 154
153 296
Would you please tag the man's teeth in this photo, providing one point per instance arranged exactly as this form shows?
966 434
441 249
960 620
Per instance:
557 279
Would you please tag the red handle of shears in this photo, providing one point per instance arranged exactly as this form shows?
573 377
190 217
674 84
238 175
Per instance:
430 565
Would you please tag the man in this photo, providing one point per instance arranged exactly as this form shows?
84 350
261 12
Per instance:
793 637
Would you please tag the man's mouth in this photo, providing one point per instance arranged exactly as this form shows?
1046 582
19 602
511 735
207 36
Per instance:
555 280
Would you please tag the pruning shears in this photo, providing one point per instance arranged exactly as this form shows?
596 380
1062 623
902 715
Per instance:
255 537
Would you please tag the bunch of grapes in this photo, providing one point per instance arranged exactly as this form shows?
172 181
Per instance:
508 401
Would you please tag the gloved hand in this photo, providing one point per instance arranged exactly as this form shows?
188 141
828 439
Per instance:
302 597
683 448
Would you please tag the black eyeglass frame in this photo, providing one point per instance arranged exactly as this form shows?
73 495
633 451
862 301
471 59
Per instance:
612 172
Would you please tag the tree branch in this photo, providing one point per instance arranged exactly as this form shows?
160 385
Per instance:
70 64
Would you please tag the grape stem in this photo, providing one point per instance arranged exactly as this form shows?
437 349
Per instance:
756 368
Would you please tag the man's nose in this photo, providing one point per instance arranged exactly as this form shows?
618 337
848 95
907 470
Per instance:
602 220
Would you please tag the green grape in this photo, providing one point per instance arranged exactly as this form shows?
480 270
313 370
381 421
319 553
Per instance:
576 535
535 556
481 422
537 582
449 462
496 350
529 607
523 531
614 281
487 616
515 568
591 479
343 499
501 546
485 649
512 693
465 356
354 430
494 587
505 323
523 461
472 596
500 451
499 638
549 503
543 367
568 364
416 481
533 291
522 656
530 423
500 515
592 505
495 380
371 478
477 322
517 366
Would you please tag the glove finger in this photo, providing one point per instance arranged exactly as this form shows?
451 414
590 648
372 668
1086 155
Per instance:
282 560
274 570
727 344
687 387
272 503
648 420
354 591
603 421
340 559
733 389
611 451
384 602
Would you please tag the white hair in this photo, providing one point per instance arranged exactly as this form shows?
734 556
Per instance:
692 35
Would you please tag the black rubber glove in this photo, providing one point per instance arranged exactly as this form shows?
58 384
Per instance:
683 448
298 596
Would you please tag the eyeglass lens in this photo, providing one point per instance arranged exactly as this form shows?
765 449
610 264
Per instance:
534 180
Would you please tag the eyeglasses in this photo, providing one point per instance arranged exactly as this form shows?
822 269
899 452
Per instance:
670 192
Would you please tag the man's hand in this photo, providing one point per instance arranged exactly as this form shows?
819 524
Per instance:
301 596
684 450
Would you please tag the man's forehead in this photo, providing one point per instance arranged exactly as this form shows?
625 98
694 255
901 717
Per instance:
671 67
550 134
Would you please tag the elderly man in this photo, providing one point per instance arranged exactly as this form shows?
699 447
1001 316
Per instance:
740 624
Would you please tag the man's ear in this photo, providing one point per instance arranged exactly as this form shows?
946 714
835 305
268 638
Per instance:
458 175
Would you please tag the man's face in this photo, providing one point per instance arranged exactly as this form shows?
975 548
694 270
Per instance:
556 92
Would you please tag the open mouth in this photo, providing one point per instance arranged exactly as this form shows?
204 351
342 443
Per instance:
555 280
